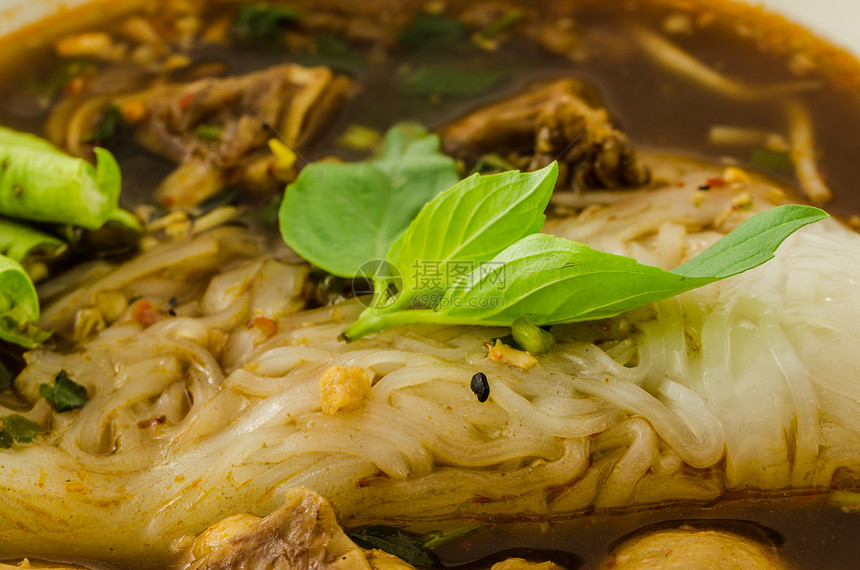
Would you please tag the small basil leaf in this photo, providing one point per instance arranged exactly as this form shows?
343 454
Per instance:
66 394
469 224
451 82
751 243
394 541
18 429
341 216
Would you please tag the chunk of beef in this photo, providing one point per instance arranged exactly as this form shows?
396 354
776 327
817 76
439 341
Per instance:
551 121
218 129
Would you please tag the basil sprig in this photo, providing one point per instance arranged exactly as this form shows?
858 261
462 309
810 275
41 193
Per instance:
473 254
543 278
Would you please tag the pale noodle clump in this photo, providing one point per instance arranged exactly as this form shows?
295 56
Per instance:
208 404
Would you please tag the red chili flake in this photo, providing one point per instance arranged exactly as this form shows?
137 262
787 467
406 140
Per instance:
599 341
266 326
716 182
186 100
143 424
465 544
681 184
145 313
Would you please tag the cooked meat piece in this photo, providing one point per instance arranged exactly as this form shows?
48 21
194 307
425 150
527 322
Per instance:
301 535
551 121
692 549
218 129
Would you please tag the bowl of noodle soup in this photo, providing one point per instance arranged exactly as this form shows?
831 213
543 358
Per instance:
211 353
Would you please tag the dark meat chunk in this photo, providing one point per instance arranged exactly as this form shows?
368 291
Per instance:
303 534
218 129
551 121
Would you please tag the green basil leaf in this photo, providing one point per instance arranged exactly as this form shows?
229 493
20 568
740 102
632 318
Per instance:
18 429
751 243
65 394
549 280
39 182
341 216
469 224
394 541
19 306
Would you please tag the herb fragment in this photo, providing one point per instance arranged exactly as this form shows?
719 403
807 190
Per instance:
263 22
66 394
106 128
503 22
451 81
432 31
773 161
17 429
6 375
413 549
208 133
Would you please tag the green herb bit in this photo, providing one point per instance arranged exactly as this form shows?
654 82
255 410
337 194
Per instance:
773 161
432 31
406 546
493 164
66 394
17 429
263 22
502 23
107 127
7 376
208 133
531 338
451 82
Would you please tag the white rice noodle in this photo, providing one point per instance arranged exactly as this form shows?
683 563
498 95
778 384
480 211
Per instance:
748 383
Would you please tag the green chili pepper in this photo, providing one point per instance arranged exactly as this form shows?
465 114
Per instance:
19 306
531 338
40 182
33 249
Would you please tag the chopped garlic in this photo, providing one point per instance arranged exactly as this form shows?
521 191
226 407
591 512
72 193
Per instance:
504 353
343 388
